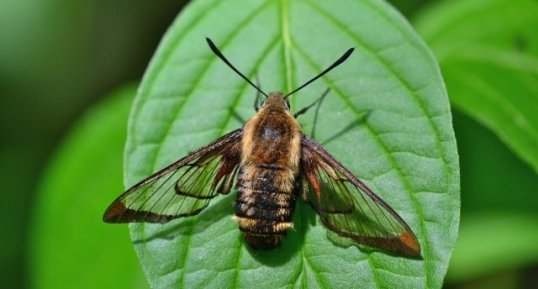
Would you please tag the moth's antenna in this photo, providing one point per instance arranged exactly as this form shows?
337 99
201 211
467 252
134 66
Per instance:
219 54
335 64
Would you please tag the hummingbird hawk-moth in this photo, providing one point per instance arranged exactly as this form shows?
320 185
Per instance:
273 164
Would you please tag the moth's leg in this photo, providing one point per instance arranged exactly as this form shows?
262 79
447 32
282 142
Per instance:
305 109
256 101
236 115
258 93
304 189
355 123
317 101
301 188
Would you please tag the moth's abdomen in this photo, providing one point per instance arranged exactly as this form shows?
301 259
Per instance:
263 208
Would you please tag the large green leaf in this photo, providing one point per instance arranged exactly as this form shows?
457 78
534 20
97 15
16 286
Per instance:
488 51
70 246
404 149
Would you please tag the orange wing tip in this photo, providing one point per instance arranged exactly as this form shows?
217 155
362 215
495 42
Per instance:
411 246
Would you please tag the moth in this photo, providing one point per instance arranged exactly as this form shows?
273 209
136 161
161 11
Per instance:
272 164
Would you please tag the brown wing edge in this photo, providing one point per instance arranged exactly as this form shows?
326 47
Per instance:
118 213
406 243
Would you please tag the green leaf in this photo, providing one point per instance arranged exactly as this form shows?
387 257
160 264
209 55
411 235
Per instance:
488 51
404 149
71 247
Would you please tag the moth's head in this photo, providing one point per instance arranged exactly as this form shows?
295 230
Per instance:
276 101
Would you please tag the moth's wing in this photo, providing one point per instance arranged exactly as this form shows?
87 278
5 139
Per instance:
348 207
183 188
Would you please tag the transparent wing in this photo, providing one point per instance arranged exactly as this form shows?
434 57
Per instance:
349 208
182 189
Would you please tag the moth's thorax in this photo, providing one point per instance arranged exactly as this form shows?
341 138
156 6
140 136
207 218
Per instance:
272 137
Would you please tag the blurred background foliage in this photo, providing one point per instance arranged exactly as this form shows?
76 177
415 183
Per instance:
62 134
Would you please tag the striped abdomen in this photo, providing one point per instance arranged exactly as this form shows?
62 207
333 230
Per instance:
262 209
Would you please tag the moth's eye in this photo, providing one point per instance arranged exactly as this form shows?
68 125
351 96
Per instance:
287 104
